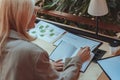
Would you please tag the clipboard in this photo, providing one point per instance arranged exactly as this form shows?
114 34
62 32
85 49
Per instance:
111 67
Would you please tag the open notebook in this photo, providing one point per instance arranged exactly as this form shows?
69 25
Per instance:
111 66
66 50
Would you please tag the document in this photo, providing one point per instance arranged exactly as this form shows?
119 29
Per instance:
46 31
66 50
78 41
111 66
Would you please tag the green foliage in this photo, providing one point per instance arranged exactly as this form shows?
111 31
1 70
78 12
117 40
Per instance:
114 12
80 7
50 4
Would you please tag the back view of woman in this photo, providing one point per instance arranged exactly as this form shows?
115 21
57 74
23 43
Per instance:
19 58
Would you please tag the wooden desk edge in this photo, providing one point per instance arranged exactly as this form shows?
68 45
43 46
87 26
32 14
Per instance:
103 77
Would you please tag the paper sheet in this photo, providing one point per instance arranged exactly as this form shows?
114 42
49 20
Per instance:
78 41
46 31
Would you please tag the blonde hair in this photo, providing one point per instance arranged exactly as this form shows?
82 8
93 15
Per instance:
15 14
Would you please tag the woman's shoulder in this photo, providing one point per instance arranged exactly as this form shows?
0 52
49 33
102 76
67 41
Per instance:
25 51
29 46
24 47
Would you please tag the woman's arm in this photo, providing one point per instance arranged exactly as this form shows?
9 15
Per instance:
45 71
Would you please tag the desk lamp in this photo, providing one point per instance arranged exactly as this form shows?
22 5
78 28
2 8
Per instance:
97 8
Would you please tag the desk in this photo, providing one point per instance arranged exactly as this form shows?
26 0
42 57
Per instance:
93 72
103 77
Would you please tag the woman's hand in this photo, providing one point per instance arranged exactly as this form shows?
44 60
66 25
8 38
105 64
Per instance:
58 65
84 54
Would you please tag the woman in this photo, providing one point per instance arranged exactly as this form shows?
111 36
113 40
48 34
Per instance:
22 60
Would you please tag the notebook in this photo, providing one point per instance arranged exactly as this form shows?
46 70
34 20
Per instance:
67 50
111 66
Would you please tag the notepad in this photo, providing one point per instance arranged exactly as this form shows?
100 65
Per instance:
66 50
111 66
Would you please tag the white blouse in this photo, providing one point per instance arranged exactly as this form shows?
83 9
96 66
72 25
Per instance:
24 60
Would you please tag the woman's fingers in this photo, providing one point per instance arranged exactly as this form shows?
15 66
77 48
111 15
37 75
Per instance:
58 65
60 60
84 53
59 68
